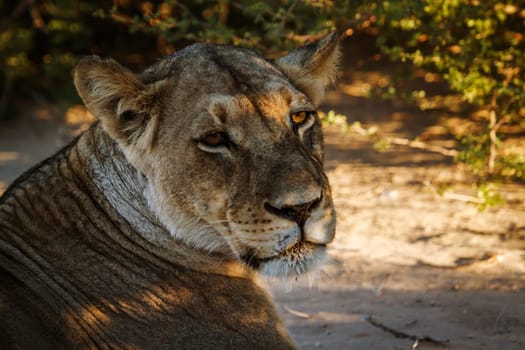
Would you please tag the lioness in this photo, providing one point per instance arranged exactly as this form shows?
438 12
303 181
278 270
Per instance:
147 230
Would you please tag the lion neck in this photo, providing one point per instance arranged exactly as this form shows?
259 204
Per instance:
123 186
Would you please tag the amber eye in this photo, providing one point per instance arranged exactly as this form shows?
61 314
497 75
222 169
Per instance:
299 118
215 139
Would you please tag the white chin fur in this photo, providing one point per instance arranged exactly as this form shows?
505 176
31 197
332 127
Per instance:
290 267
190 231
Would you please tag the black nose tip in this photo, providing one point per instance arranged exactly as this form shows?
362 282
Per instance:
298 212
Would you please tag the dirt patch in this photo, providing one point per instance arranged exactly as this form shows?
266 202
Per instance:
414 261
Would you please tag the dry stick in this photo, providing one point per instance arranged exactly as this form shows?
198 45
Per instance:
422 145
399 334
297 313
407 142
500 316
493 137
453 196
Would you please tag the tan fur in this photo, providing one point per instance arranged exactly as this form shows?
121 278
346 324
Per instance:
147 231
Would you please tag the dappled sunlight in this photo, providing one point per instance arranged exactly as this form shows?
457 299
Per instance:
357 89
94 316
37 132
78 118
9 156
44 114
140 311
365 84
459 126
450 103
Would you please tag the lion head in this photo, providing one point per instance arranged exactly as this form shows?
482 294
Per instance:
230 146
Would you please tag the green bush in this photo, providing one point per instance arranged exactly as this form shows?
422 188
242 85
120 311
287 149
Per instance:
39 44
269 26
479 48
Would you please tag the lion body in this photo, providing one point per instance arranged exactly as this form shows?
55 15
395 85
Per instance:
140 234
90 286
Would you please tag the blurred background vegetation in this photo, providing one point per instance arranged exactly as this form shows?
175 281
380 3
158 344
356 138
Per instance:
476 47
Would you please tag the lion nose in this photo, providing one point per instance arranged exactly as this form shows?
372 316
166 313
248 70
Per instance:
297 212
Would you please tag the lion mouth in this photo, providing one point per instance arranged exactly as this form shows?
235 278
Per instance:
295 260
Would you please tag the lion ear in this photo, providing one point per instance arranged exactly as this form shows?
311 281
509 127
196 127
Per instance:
312 67
126 108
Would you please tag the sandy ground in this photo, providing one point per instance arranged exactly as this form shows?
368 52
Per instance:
416 263
406 259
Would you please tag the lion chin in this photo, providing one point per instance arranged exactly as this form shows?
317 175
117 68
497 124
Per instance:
301 258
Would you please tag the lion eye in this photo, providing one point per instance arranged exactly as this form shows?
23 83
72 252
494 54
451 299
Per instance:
215 139
302 120
299 118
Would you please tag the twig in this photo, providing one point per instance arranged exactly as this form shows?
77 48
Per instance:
296 313
462 198
462 262
288 13
398 334
357 128
422 145
453 196
500 316
493 136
